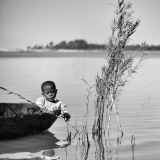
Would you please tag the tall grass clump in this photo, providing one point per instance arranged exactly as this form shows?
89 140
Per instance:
119 66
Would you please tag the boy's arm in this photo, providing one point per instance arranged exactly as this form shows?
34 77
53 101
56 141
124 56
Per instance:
64 112
40 102
66 116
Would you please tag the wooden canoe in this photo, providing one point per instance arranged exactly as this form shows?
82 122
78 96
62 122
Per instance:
20 119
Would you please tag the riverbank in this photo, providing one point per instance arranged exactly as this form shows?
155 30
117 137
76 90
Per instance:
69 53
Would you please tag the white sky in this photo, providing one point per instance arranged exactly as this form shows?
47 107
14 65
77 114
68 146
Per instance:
28 22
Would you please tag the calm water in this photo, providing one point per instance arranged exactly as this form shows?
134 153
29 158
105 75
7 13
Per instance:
25 75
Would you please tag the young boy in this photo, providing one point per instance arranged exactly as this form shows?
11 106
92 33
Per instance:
49 102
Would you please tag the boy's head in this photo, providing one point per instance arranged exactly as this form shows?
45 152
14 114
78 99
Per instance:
49 90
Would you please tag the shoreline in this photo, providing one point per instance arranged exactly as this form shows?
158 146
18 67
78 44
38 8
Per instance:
69 53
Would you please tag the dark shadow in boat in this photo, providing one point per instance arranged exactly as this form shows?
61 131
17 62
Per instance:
33 143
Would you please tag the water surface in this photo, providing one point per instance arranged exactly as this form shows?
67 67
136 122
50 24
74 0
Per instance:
24 75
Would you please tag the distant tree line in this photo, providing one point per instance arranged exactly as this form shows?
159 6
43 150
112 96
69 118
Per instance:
76 44
83 45
147 47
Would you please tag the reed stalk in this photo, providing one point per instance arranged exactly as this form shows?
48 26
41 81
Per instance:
19 96
83 134
135 123
119 66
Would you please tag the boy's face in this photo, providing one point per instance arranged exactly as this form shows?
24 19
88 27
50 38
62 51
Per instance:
49 92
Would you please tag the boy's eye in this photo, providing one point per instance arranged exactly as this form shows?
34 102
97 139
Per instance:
52 91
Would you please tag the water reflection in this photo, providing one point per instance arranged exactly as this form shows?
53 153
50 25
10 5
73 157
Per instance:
133 146
100 150
38 146
105 148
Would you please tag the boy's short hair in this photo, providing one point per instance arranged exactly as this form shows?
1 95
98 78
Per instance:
51 83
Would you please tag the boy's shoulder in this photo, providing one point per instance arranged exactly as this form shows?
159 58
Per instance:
41 98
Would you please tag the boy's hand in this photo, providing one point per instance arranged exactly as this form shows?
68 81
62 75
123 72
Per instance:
66 117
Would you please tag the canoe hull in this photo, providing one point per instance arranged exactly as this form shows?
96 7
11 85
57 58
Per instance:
24 124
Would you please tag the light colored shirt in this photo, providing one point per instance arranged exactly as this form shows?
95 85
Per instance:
58 105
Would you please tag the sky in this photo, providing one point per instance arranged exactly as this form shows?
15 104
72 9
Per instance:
28 22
